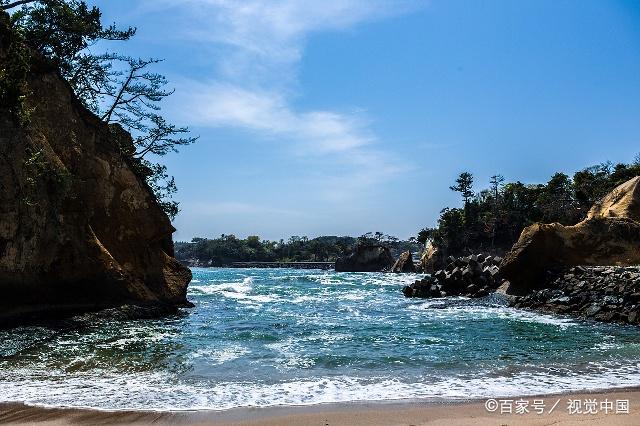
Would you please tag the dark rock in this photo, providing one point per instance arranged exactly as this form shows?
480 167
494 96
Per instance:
404 263
373 258
442 275
611 298
84 232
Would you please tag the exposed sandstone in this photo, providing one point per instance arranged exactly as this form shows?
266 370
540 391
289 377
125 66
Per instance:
431 259
79 230
404 263
610 235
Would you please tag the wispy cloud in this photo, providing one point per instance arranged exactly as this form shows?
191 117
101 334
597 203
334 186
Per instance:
316 132
255 81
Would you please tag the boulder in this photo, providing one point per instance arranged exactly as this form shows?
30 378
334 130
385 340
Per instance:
610 235
366 258
80 230
431 259
404 263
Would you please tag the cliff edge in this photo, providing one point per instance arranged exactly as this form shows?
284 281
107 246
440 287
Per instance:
608 236
79 230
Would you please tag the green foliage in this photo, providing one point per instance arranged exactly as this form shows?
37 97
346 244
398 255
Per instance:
493 219
118 88
13 74
40 174
162 185
62 31
131 99
228 248
376 238
464 185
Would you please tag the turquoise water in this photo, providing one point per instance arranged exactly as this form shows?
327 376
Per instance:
260 337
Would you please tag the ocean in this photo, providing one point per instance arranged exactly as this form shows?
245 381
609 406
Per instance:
267 337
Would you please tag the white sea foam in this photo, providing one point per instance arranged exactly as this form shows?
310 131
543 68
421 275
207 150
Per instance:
162 392
220 355
303 326
243 287
438 309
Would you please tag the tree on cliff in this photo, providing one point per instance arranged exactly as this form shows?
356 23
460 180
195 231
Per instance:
118 88
494 218
464 185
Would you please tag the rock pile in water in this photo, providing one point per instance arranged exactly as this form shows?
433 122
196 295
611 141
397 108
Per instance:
474 276
603 293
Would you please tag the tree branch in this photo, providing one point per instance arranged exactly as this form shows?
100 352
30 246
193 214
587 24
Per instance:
16 3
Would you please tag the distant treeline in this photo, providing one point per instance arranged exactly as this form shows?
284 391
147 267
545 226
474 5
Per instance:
492 219
227 249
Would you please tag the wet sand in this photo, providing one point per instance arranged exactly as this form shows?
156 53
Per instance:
370 413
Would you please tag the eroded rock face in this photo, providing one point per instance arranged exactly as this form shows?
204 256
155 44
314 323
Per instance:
610 235
622 202
404 263
79 230
366 259
431 259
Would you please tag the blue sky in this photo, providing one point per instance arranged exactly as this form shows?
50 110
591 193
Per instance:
338 117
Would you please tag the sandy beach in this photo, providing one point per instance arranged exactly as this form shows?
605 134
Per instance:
598 408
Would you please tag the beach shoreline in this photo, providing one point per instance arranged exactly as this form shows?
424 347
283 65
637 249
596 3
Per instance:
393 412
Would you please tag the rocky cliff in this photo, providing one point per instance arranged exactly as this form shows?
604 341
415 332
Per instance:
610 235
374 258
79 230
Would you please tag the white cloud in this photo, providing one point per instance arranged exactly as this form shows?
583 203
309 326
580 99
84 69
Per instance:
256 77
225 105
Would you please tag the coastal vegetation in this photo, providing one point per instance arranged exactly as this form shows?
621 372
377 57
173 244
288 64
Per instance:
68 35
227 249
492 219
84 221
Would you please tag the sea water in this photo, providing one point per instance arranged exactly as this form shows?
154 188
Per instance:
264 337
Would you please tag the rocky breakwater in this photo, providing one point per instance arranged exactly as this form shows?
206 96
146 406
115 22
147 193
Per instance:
80 229
473 276
602 293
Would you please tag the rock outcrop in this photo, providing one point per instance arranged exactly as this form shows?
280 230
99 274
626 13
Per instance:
474 276
610 235
602 293
431 259
404 263
372 258
79 229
